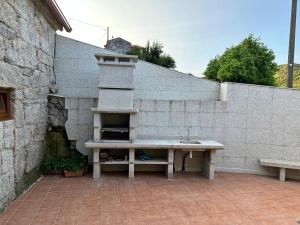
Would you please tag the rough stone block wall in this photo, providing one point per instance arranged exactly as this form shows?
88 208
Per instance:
26 63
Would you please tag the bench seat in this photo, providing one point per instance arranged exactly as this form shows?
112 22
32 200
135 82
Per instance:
282 165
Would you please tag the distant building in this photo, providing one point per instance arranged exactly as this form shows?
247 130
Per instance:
118 45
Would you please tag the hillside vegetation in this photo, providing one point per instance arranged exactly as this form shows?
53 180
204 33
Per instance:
280 76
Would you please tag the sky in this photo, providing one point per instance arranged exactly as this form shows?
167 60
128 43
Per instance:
192 31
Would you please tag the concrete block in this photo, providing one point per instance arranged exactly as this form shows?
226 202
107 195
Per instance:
71 103
115 99
237 92
116 77
162 119
258 136
72 131
236 106
133 120
206 119
162 106
86 103
231 163
85 117
142 118
278 121
292 122
278 152
234 135
176 119
167 132
252 165
292 154
193 132
205 133
177 106
137 103
152 119
220 106
220 119
237 120
235 150
193 106
279 137
72 117
258 151
148 132
207 106
218 134
259 121
147 105
260 99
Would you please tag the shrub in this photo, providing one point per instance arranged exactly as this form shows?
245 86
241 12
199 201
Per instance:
249 62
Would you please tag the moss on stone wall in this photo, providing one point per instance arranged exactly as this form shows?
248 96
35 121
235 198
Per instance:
27 180
57 144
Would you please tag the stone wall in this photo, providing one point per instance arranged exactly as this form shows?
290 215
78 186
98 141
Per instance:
26 63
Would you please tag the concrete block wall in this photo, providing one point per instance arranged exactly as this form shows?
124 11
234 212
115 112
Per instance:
252 121
260 122
80 122
77 75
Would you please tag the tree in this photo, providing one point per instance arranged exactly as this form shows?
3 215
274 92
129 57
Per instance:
250 62
154 53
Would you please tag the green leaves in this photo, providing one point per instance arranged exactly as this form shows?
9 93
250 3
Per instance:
60 164
249 62
154 53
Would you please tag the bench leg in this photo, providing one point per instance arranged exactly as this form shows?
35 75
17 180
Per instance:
282 174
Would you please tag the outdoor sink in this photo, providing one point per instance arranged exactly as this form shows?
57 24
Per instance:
191 142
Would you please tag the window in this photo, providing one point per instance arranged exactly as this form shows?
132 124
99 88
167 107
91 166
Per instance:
5 105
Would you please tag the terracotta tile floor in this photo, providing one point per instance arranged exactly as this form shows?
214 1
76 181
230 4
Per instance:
231 199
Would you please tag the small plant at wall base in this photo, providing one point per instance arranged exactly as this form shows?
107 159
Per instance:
70 166
153 53
250 62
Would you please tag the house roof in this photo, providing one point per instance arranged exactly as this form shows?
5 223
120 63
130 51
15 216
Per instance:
58 14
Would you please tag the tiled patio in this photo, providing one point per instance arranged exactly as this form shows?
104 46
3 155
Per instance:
151 199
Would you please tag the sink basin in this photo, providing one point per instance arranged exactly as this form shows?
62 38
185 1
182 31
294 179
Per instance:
190 142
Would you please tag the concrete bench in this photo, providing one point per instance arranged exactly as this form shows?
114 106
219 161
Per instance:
282 165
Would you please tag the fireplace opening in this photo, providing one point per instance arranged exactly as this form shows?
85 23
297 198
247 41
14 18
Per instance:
115 126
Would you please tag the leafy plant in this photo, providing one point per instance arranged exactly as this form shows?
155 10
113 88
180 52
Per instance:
60 164
74 163
250 62
52 165
153 53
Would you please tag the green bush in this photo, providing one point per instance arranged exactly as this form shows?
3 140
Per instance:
58 165
249 62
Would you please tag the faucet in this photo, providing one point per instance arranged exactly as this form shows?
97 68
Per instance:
188 134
